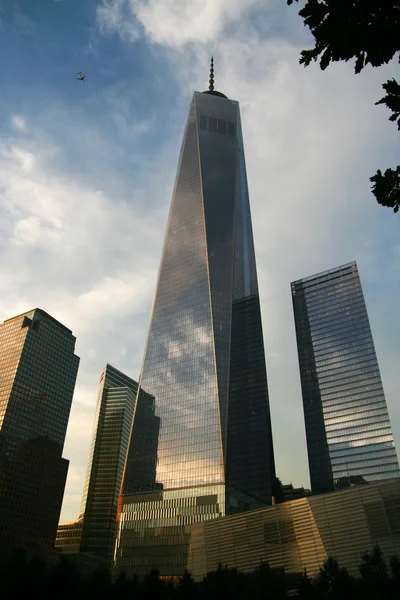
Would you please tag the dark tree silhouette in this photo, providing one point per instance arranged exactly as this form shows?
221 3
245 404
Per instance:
306 589
64 581
267 583
224 584
154 587
334 582
186 588
374 580
125 588
395 569
23 577
386 188
97 585
369 31
392 99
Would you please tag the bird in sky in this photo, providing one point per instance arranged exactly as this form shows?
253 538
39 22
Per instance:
81 77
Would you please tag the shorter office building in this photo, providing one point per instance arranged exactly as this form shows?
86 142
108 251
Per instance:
110 439
38 369
69 536
92 536
291 493
301 534
349 435
32 482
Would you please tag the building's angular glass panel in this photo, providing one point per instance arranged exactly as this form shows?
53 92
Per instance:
179 369
201 443
249 466
218 162
140 471
349 436
245 273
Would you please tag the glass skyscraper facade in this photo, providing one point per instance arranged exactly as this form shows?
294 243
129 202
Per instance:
111 433
349 436
201 444
38 370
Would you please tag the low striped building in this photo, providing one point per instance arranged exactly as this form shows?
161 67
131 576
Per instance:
302 533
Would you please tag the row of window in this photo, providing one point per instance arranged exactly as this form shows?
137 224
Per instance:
364 405
339 329
374 426
362 423
375 435
345 315
335 397
360 462
217 125
360 443
347 364
352 374
368 472
347 341
346 296
354 383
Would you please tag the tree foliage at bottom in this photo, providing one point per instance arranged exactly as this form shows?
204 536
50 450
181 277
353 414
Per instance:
376 581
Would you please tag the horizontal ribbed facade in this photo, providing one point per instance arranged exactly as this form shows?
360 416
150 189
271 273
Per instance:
69 535
349 436
301 534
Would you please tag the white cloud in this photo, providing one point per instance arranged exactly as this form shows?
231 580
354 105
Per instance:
116 16
171 22
178 22
18 122
31 230
25 159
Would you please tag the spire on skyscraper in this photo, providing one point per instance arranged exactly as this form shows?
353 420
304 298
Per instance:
211 87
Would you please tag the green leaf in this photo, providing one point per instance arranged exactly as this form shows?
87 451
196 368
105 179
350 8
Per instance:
386 188
392 99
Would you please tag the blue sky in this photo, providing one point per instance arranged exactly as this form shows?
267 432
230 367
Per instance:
86 176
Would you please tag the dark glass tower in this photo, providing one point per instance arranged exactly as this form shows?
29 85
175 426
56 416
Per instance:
203 429
112 428
38 370
349 436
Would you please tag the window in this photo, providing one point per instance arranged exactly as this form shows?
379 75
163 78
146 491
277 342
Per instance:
203 122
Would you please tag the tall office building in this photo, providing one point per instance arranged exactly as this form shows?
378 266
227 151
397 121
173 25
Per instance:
201 444
349 436
111 433
38 370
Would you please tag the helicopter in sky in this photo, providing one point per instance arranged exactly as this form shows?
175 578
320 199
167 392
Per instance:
81 77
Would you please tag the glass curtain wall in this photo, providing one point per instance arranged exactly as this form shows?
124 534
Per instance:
349 436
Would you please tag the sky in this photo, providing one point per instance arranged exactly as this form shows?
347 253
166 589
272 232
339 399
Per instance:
87 172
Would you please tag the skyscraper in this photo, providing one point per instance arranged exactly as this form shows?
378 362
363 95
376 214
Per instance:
201 444
111 432
349 436
38 370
